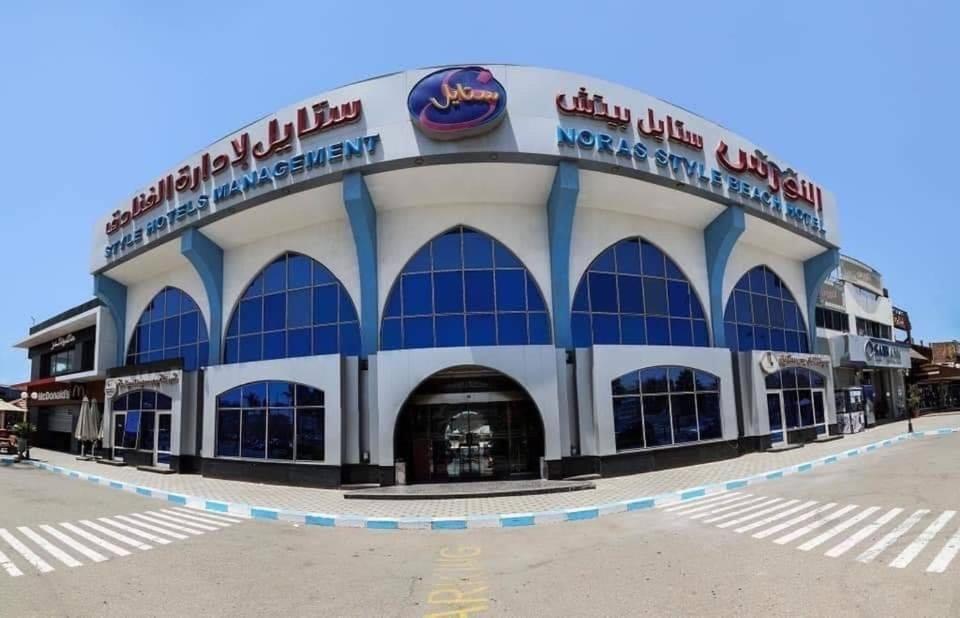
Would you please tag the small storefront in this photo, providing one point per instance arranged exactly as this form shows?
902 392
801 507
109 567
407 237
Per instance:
54 407
869 375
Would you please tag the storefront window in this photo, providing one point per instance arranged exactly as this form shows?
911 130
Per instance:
762 315
661 406
803 397
633 294
170 327
134 416
464 288
271 420
293 307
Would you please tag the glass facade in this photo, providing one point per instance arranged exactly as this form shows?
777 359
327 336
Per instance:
170 327
633 294
464 288
762 315
293 307
801 401
271 420
665 405
134 414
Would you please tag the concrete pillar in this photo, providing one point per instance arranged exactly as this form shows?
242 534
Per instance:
719 238
207 259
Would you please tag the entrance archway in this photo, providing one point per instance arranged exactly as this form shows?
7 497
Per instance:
469 423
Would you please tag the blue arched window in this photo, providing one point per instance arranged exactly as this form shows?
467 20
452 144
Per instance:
633 294
271 420
293 307
762 315
170 327
464 288
660 406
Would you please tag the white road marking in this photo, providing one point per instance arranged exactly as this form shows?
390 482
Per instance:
233 519
799 532
49 547
863 533
724 509
119 551
946 555
73 544
792 522
740 520
746 509
135 531
181 521
685 504
699 509
146 526
24 551
914 549
834 531
184 517
116 535
892 537
9 567
773 518
165 524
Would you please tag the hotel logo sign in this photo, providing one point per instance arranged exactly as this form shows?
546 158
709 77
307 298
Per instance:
456 103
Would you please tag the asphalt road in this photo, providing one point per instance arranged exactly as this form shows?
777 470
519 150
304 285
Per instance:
696 559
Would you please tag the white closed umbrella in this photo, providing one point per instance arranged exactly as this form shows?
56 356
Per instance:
87 426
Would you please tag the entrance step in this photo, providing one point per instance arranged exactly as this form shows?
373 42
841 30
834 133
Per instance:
156 469
784 448
477 489
112 462
583 477
828 438
354 486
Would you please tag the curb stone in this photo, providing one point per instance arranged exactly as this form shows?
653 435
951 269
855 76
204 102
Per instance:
502 520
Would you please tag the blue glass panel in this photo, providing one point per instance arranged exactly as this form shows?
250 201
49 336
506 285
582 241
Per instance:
606 329
791 409
298 308
743 304
255 288
653 380
761 338
653 260
696 309
148 400
656 420
251 318
446 251
804 344
418 333
298 342
477 250
679 297
512 328
582 335
792 341
190 357
758 283
658 331
701 335
603 292
172 302
680 379
231 350
673 272
233 328
790 315
448 292
628 256
134 400
655 296
325 337
503 258
280 437
743 283
417 294
681 332
254 395
706 381
788 377
156 335
392 308
171 332
254 434
580 302
534 297
684 413
479 290
627 384
274 311
321 275
420 262
632 331
777 341
451 330
539 329
771 281
275 276
298 271
708 413
390 338
309 396
744 337
627 423
511 290
631 294
817 380
760 315
189 323
250 348
350 339
604 262
229 399
481 330
325 302
773 381
280 394
120 404
776 312
310 434
803 377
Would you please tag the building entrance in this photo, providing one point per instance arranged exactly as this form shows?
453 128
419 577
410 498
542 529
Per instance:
466 424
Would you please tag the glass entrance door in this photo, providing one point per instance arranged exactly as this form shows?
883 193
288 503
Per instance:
778 434
161 451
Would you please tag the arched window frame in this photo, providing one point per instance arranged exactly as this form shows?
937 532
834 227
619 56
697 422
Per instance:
672 393
308 326
418 315
183 324
673 317
751 312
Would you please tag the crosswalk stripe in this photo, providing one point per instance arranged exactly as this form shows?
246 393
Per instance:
73 544
943 559
184 516
152 528
729 507
740 520
49 547
116 535
9 567
230 517
863 533
778 516
736 508
678 506
892 537
799 532
38 562
792 522
119 551
135 531
914 549
834 531
181 521
743 508
688 510
165 524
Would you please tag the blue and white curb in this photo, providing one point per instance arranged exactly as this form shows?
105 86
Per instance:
507 520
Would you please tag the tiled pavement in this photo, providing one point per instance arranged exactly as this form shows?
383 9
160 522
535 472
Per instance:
608 491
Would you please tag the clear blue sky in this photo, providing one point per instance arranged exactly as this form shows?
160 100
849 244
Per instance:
98 98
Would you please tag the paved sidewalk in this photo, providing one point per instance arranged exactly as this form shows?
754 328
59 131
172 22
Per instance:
608 491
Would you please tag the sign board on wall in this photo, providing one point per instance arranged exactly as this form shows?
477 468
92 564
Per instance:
944 352
901 319
114 386
873 352
57 392
860 275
